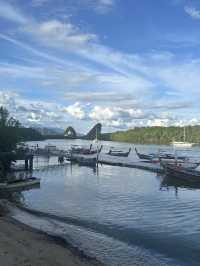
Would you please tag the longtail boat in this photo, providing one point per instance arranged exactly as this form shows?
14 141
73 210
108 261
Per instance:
85 151
159 156
142 156
119 153
183 174
182 163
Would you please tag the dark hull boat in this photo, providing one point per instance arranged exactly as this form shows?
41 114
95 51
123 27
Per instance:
182 163
85 151
159 156
80 150
142 156
119 153
183 174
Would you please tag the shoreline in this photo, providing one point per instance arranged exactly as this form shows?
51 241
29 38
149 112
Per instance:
22 245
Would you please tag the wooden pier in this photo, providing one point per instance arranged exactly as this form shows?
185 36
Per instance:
28 160
127 162
152 167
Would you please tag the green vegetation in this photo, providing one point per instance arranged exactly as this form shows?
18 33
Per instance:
29 134
11 134
9 138
155 135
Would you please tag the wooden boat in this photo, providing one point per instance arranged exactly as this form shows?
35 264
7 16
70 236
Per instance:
76 149
182 163
142 156
19 185
85 151
93 151
183 174
119 153
159 156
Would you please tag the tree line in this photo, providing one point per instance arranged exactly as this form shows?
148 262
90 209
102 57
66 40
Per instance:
155 135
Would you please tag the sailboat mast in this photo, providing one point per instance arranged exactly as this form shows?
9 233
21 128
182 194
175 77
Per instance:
184 134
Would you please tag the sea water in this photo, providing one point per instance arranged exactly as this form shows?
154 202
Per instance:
121 216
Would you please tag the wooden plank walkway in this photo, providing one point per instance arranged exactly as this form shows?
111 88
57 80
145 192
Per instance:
152 167
127 162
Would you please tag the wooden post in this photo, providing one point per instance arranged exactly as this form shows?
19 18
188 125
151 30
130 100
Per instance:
31 163
26 164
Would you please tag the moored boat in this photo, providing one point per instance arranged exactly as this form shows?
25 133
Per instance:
181 173
149 156
159 156
180 162
184 143
119 153
75 149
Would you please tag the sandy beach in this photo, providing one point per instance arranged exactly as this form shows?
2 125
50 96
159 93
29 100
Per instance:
23 246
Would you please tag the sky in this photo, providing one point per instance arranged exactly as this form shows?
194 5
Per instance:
124 63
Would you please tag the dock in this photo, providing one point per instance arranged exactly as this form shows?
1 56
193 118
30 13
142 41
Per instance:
152 167
105 159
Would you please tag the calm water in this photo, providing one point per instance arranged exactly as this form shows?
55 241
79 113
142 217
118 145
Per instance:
121 216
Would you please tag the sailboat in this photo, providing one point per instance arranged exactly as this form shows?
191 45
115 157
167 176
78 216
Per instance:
182 144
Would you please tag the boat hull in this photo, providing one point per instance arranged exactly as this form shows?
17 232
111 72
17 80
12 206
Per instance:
182 144
183 174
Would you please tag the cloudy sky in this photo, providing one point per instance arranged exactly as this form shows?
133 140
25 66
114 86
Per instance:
124 63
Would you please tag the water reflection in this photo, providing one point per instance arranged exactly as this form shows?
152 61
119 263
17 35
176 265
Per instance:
168 182
129 206
95 169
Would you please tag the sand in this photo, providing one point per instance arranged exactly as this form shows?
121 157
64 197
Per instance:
22 246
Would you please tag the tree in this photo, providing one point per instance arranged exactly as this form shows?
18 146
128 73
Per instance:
9 138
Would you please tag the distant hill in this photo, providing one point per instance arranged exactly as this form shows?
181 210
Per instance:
154 135
29 134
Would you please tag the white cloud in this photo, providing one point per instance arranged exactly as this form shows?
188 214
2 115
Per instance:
75 110
104 6
58 34
99 96
125 80
31 112
115 116
11 13
192 12
183 77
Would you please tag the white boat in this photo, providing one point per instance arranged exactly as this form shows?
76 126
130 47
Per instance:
182 144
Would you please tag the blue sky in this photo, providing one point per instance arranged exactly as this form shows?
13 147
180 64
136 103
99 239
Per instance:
123 63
